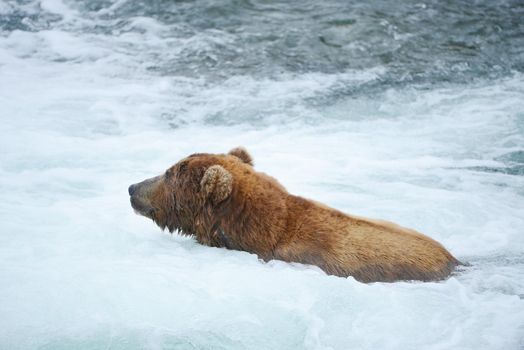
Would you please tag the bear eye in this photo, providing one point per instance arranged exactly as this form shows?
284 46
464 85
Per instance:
181 168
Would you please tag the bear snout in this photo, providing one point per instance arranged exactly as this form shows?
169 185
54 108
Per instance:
132 189
141 195
144 188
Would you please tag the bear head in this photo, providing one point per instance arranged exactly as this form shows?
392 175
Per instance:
189 194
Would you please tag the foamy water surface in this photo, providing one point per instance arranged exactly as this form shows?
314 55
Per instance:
410 112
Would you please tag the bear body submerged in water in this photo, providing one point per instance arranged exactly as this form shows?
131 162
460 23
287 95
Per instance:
224 202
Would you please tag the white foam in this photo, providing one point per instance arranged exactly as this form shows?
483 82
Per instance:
5 8
58 7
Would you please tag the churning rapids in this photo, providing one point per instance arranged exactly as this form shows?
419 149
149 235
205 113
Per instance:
407 111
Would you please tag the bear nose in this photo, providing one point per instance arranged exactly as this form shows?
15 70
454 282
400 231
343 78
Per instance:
131 189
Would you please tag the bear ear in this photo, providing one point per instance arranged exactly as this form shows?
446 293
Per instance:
217 183
243 154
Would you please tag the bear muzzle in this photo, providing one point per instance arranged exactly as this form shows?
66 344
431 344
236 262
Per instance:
140 195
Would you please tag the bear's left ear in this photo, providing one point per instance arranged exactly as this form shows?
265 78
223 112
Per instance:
217 183
242 154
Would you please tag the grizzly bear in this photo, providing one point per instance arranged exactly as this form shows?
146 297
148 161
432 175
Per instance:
222 201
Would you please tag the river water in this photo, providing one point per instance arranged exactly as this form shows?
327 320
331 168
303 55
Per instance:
408 111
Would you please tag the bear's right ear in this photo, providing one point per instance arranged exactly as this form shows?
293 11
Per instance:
242 154
217 183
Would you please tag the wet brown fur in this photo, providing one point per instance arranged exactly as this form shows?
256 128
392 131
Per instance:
224 202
